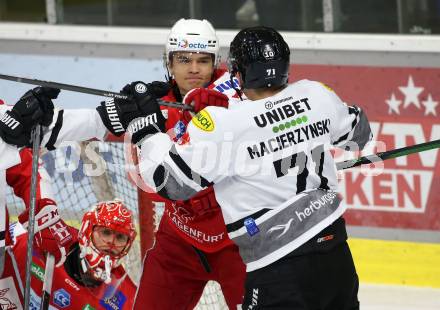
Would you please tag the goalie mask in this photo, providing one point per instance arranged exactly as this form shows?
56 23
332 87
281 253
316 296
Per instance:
261 56
106 235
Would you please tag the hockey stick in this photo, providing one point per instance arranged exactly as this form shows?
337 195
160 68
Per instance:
33 196
86 90
47 284
388 154
3 229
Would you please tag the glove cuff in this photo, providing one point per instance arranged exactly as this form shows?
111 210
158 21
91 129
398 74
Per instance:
141 127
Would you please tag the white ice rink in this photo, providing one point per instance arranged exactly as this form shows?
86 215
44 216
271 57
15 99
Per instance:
386 297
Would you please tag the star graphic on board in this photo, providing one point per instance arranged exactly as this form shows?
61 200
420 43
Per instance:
430 106
411 93
393 104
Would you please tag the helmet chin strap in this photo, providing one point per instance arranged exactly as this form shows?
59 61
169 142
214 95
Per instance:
237 90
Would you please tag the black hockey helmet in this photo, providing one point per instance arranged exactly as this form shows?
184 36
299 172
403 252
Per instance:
261 56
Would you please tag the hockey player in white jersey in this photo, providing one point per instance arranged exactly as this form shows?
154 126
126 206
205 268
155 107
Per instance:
273 174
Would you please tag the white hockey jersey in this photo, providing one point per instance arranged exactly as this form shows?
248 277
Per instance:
73 125
9 156
274 176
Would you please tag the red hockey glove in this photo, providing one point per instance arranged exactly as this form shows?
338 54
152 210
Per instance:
52 235
201 98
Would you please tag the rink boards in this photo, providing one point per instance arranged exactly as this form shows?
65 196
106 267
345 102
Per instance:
397 262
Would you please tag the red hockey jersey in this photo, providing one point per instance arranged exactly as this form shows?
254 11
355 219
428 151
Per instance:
204 229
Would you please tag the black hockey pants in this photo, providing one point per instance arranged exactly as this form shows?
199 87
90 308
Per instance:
319 275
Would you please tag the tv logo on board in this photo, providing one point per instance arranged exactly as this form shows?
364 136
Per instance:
404 183
411 94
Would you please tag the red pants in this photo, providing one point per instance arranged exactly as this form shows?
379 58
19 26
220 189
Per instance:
173 276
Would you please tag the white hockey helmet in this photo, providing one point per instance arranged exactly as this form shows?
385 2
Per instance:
192 35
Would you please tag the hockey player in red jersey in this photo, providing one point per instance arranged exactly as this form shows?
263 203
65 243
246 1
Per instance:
92 276
193 230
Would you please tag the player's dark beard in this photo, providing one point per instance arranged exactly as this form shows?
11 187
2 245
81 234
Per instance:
72 265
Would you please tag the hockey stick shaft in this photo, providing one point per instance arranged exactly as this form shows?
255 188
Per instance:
404 151
47 284
85 90
33 198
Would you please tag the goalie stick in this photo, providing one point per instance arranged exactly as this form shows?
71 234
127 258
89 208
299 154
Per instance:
47 284
417 148
86 90
35 155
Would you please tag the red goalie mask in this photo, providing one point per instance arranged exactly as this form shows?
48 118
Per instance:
106 235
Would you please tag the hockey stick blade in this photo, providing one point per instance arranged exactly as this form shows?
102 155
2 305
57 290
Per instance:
85 90
404 151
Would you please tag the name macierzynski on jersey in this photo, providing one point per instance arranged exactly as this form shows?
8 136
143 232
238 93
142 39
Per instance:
289 138
281 113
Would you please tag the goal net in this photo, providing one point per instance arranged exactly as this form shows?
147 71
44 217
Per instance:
85 173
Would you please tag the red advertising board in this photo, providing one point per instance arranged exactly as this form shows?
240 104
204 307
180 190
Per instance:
403 107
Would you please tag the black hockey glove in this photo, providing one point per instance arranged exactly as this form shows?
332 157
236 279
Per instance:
116 114
34 107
